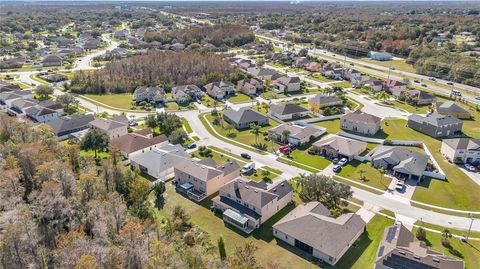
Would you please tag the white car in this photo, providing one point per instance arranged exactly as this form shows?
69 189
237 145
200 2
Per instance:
470 167
400 187
343 161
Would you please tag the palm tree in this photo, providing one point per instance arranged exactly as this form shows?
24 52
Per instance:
285 135
255 129
383 95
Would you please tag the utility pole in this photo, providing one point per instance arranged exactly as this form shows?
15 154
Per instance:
389 70
471 223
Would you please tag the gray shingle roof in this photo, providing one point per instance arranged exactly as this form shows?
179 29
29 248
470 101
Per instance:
243 115
325 99
449 106
286 109
404 160
434 119
462 143
362 117
311 225
161 159
67 123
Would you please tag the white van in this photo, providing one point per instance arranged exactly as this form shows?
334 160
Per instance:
249 167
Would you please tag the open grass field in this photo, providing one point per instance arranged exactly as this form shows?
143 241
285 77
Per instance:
397 64
269 249
121 100
458 191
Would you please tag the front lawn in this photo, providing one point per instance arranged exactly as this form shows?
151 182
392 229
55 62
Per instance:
458 191
239 98
173 106
272 95
343 84
363 254
333 126
187 125
320 77
354 170
244 136
120 100
316 161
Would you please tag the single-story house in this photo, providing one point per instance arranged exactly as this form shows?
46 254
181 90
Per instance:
465 150
296 134
160 162
262 73
399 249
247 204
200 179
435 125
405 163
243 117
310 228
360 122
313 67
338 146
288 111
66 125
320 101
138 142
450 108
113 127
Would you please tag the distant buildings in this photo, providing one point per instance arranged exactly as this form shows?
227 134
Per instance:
149 94
247 204
220 90
399 250
310 228
435 125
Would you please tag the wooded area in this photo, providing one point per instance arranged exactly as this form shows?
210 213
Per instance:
154 68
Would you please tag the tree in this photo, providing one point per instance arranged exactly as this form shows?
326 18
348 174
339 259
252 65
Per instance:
255 130
44 91
94 140
221 248
383 95
178 136
66 100
168 122
362 172
421 234
87 262
325 190
285 135
151 122
244 257
138 197
159 188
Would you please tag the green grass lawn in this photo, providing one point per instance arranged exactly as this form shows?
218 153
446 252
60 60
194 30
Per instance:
239 98
268 248
272 95
244 136
120 100
173 106
316 161
208 101
343 84
101 155
397 64
187 125
407 107
469 252
320 77
363 254
333 126
372 175
277 65
458 191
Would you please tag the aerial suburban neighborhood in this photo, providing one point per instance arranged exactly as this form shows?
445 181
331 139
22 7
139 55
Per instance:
240 134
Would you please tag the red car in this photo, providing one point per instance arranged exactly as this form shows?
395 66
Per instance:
285 149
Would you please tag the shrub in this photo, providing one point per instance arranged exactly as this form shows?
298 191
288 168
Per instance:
421 234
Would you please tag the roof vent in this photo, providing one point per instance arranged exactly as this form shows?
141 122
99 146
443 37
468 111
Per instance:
283 184
274 190
256 191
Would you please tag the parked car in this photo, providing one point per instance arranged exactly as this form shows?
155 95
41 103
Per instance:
133 123
246 156
248 168
400 187
337 168
432 79
416 81
343 161
312 152
335 161
470 167
191 146
285 149
424 85
450 83
352 64
477 97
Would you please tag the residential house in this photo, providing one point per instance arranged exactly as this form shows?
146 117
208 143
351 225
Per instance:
8 97
435 125
312 229
52 60
421 97
220 90
313 67
42 114
250 86
395 87
399 249
296 134
18 106
247 204
450 108
8 87
360 122
380 56
54 78
351 75
320 101
286 84
263 73
67 125
288 111
405 163
92 44
133 144
340 147
160 162
464 150
200 179
121 34
185 93
149 94
374 84
300 62
332 70
244 64
113 127
244 117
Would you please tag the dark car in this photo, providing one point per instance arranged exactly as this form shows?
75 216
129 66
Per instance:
416 81
450 83
191 146
312 152
335 161
424 85
246 156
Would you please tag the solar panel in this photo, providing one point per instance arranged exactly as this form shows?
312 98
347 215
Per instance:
380 251
391 233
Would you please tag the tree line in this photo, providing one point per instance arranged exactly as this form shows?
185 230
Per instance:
154 68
